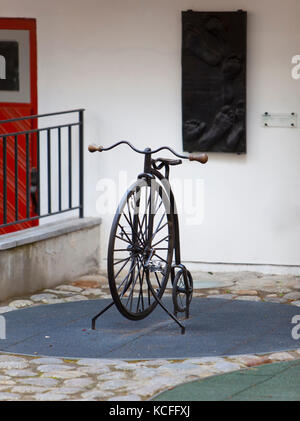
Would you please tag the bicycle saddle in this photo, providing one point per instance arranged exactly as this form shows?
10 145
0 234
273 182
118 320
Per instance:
168 161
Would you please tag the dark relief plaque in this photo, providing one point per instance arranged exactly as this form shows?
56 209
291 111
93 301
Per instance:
10 51
214 81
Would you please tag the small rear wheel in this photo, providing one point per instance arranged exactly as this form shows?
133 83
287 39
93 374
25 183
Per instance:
182 291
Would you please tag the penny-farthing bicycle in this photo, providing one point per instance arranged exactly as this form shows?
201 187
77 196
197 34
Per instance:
143 239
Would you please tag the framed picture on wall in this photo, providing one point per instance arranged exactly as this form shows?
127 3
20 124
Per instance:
214 81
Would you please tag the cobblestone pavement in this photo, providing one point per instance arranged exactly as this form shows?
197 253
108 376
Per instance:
56 379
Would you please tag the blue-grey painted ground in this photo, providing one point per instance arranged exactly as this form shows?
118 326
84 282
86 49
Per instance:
217 327
121 378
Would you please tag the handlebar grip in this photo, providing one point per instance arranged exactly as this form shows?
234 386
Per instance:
202 157
95 148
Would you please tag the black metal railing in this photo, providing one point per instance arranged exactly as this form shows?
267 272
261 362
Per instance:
51 162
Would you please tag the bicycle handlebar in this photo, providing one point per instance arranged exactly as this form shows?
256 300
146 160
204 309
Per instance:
199 157
202 157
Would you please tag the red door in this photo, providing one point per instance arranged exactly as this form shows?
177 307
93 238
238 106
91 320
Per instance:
18 98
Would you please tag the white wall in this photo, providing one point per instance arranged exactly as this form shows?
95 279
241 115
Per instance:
120 59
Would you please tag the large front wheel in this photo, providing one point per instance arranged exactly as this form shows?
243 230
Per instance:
140 249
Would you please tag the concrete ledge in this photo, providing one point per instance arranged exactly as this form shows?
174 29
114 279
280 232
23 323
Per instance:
44 232
45 256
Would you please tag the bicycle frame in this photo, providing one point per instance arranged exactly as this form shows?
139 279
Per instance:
149 172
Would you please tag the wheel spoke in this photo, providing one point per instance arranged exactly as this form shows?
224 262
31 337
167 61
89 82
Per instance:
123 239
120 261
157 230
125 280
141 297
157 279
129 213
122 268
148 289
122 228
141 229
133 229
151 216
168 236
146 209
163 260
161 202
130 297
